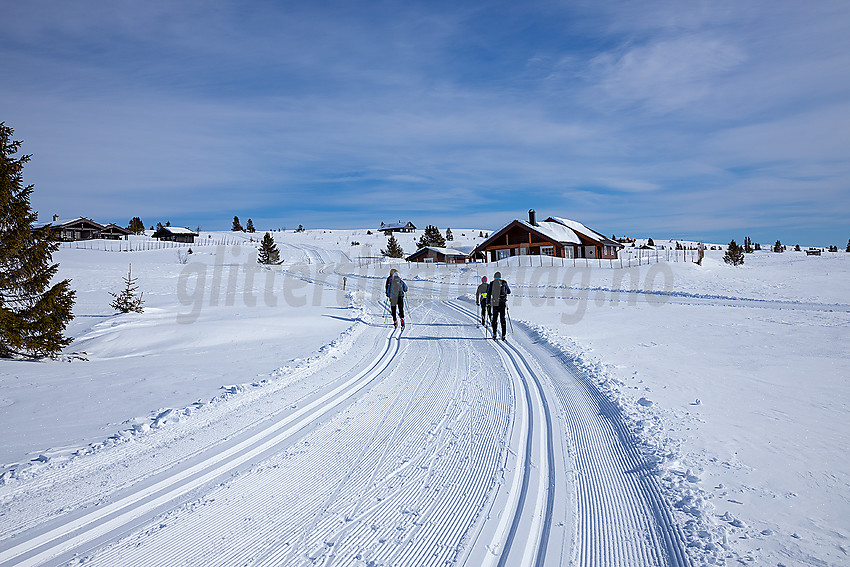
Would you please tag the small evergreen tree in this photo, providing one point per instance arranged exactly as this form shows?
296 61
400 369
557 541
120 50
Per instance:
734 254
159 226
237 226
748 245
650 242
393 249
758 246
136 226
269 254
797 248
848 247
250 226
128 300
431 237
777 247
449 235
33 313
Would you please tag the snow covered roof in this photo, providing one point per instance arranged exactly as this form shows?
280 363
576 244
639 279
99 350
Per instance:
178 230
443 251
554 231
396 225
576 226
63 222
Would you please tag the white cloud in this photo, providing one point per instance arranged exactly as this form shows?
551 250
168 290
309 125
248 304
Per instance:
664 75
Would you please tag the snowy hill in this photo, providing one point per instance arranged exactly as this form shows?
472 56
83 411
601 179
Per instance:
272 415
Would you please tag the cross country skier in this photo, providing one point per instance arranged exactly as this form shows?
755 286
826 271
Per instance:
497 297
481 299
395 292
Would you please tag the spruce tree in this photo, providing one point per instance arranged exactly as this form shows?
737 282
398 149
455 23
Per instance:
650 242
136 226
250 226
748 245
777 247
431 237
33 314
734 254
128 300
237 227
269 254
797 248
848 247
394 249
449 235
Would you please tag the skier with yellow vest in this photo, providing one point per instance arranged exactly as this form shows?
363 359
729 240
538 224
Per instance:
481 299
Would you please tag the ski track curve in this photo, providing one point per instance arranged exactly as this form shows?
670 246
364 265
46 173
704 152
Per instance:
45 545
441 447
621 517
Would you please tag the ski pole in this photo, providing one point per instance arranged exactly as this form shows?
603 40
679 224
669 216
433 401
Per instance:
406 305
508 311
386 308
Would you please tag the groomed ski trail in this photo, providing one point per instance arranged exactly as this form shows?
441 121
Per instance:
224 458
619 515
441 447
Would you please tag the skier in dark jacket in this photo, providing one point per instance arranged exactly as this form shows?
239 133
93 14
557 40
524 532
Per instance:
481 299
497 296
395 292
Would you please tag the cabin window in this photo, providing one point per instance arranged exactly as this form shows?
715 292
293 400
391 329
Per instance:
503 253
547 250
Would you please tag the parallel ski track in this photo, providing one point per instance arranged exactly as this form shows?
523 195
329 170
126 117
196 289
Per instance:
622 517
446 500
114 518
435 409
534 549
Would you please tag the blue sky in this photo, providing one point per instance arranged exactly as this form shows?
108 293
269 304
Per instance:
702 120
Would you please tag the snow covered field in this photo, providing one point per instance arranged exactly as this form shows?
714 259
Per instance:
659 414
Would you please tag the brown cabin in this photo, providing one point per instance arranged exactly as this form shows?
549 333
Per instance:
72 230
175 234
434 254
558 237
114 232
388 229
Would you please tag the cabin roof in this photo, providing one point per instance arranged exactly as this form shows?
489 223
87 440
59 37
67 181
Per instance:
576 226
64 222
177 230
439 250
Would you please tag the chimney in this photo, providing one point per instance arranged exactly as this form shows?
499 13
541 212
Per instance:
55 218
532 217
